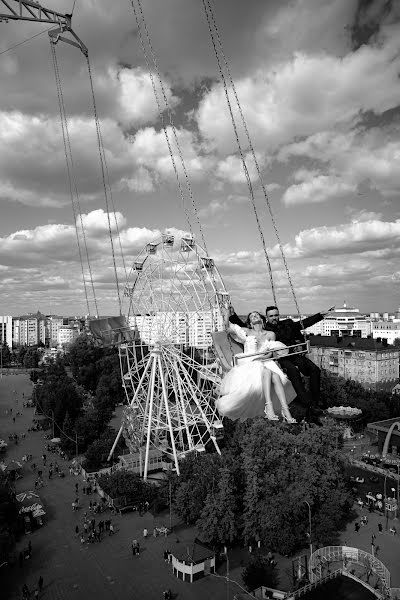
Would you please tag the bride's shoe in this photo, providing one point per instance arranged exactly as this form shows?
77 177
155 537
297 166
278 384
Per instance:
288 418
269 414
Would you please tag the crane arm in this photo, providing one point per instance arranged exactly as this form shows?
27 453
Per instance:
26 10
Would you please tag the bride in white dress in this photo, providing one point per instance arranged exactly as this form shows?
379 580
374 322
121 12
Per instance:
255 384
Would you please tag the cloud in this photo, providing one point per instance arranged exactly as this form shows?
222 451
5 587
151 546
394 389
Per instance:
303 95
97 222
347 160
136 103
350 238
316 189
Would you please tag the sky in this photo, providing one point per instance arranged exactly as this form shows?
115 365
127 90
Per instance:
319 89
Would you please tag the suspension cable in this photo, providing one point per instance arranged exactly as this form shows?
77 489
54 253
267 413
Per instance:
187 181
71 178
213 28
172 124
113 207
103 174
241 153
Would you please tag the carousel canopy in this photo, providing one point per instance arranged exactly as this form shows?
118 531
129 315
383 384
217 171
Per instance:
30 502
13 465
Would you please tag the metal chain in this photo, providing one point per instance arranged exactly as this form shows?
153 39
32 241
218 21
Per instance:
70 171
188 185
101 155
246 172
113 207
146 57
210 14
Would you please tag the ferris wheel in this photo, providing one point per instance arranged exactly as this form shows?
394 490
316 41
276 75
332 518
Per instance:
173 295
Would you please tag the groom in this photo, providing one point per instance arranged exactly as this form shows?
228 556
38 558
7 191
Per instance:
289 332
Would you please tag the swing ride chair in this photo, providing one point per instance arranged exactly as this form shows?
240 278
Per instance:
228 349
174 294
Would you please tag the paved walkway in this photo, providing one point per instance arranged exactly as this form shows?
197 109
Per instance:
107 570
71 571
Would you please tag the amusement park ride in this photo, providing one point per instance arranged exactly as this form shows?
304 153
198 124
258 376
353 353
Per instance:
171 300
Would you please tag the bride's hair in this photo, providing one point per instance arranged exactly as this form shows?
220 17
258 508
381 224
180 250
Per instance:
247 322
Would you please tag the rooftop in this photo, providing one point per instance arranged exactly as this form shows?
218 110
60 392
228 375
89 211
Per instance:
385 425
191 552
350 342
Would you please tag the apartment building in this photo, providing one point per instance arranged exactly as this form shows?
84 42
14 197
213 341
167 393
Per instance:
32 329
6 330
185 328
371 362
54 323
66 334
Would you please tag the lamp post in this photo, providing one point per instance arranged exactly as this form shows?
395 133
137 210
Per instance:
385 501
227 572
309 524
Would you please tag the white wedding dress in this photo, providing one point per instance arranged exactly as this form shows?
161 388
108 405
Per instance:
241 394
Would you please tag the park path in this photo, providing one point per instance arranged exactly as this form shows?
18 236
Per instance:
71 571
108 570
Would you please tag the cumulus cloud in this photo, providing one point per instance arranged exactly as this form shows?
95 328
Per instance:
349 238
136 103
347 160
304 95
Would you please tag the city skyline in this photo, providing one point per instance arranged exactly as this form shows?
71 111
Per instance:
319 88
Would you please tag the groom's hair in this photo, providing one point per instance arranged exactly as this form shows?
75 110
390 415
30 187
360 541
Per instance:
271 308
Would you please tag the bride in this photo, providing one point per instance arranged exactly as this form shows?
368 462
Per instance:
255 384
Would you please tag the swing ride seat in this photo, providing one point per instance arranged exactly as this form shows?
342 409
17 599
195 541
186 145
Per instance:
112 331
227 349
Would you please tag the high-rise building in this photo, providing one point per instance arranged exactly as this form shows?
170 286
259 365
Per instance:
186 328
32 329
6 330
54 322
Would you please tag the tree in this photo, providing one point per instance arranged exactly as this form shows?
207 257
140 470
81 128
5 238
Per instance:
31 358
198 476
259 572
282 470
5 354
130 485
219 521
97 452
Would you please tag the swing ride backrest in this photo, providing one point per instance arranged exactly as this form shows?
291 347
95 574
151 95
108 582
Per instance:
112 331
225 349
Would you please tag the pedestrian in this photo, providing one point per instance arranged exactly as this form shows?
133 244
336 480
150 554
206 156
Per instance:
154 532
134 542
40 584
166 556
76 487
380 528
111 530
145 533
25 591
50 473
373 538
356 526
36 593
77 530
82 538
84 490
